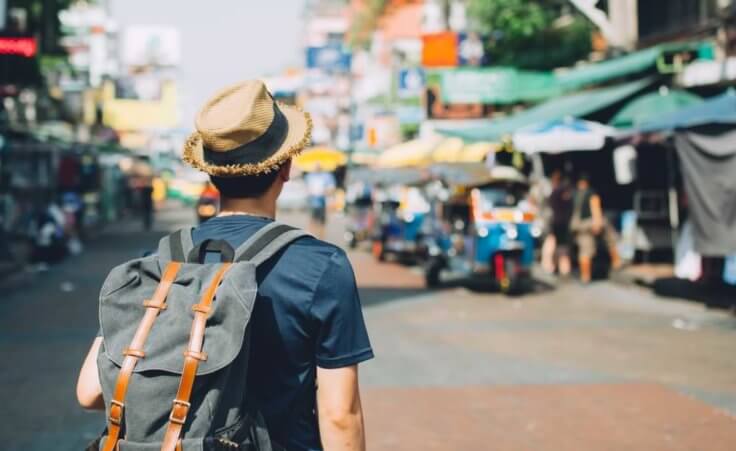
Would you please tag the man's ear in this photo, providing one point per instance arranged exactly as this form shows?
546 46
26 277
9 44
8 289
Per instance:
285 171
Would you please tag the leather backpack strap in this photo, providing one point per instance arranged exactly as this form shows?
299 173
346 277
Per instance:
192 356
135 352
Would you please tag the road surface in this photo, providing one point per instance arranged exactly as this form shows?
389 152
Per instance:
599 367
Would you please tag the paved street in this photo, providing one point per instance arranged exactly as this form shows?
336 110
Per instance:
603 367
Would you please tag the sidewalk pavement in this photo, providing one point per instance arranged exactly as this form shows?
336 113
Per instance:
48 323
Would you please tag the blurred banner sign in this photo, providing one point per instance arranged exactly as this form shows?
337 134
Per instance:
495 85
471 51
411 83
330 58
440 50
151 46
16 45
18 62
410 115
3 13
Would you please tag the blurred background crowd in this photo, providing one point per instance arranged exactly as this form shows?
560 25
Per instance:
528 191
445 131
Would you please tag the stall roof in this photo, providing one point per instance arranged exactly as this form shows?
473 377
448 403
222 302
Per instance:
387 176
717 110
578 105
461 174
416 152
325 158
654 105
632 63
477 152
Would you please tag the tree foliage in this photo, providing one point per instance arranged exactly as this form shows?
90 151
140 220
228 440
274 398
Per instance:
366 22
523 33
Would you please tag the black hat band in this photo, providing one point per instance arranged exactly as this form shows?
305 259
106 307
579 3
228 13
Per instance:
258 150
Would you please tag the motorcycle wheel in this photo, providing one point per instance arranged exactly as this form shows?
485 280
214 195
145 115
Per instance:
432 271
378 251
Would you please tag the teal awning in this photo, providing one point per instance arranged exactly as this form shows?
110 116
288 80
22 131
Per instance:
506 85
652 106
576 105
716 110
633 63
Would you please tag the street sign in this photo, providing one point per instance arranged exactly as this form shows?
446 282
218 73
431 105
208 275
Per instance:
330 58
411 83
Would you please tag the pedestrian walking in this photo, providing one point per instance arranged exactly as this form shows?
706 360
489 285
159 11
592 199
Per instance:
320 185
271 359
144 185
556 247
589 224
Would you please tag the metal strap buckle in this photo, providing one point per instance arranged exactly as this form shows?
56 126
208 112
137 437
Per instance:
116 417
179 419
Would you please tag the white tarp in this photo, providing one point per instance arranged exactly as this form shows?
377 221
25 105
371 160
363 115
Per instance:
563 135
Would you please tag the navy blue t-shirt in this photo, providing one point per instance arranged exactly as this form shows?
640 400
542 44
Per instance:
307 314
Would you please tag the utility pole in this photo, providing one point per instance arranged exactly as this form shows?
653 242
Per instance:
619 27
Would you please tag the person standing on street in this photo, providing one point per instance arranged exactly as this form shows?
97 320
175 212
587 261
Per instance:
588 223
556 247
307 332
320 185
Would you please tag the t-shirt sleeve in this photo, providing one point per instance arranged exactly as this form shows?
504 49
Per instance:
342 338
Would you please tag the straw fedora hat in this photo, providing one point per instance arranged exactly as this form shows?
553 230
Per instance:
243 131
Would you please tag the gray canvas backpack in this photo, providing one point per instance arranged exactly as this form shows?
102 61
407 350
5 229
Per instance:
174 360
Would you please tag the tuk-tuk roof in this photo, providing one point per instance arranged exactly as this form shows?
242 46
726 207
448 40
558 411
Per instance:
461 174
389 176
507 174
470 175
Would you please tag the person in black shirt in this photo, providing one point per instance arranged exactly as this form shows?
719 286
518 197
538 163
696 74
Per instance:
561 205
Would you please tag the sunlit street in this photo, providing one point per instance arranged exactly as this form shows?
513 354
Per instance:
351 225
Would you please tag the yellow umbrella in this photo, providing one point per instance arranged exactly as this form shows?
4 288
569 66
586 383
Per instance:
476 152
416 152
325 158
448 151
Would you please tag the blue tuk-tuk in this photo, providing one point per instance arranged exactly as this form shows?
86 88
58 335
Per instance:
485 227
402 208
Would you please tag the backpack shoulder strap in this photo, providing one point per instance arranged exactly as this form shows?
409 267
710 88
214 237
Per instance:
267 241
176 246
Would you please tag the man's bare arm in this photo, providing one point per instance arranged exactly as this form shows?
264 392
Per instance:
339 409
89 390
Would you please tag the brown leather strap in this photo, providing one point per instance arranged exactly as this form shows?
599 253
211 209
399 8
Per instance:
134 352
192 356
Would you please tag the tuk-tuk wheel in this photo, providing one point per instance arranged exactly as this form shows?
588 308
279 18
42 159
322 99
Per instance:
378 251
432 271
351 239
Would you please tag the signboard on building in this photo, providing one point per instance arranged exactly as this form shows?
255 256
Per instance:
410 83
17 45
471 51
495 86
410 115
330 58
440 50
18 62
145 45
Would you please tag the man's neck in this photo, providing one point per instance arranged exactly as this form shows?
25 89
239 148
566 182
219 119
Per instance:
256 207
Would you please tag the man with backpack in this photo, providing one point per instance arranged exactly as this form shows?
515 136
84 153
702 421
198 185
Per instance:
242 333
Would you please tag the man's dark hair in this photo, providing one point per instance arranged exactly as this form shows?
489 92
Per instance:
246 186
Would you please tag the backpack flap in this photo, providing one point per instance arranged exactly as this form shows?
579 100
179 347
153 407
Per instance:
121 310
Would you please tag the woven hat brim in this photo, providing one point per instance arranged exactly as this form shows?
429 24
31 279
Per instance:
298 138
